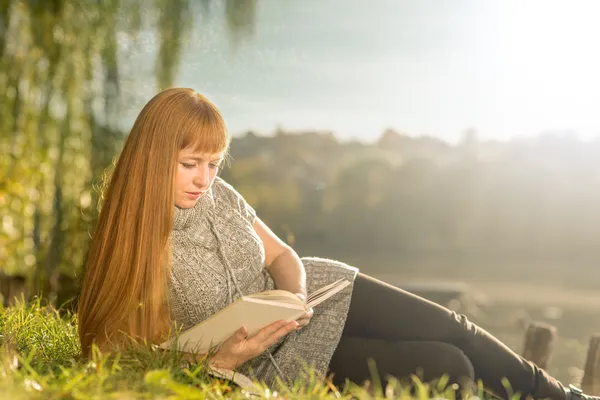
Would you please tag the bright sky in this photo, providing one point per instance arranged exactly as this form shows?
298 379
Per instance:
540 64
506 67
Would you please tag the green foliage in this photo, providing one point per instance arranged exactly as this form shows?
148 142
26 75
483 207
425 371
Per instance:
64 72
40 333
39 359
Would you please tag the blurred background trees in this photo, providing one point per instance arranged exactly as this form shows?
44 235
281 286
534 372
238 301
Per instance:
522 200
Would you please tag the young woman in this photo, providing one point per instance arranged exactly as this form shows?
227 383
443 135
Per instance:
175 243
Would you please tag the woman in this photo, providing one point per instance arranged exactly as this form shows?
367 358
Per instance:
174 244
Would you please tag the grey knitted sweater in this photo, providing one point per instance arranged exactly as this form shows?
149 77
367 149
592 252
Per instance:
217 257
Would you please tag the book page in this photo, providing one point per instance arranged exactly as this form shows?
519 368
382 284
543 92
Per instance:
326 292
277 295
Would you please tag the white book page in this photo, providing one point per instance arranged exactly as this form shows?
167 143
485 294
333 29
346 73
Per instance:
317 298
276 295
324 289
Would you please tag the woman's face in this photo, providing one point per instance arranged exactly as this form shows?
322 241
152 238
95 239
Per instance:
195 174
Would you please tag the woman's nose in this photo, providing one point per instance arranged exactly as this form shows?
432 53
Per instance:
202 179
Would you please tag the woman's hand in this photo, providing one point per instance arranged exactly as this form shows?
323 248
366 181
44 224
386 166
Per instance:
304 319
239 348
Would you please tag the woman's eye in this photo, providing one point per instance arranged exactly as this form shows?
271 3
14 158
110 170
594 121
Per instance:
213 165
189 166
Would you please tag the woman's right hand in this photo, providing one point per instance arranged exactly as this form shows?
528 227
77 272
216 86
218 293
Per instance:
239 348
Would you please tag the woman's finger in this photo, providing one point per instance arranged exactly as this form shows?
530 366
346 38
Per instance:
305 319
267 331
240 334
284 330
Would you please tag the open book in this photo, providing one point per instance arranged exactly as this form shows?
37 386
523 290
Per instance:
255 311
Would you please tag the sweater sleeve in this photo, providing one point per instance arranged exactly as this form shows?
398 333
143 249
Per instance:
225 192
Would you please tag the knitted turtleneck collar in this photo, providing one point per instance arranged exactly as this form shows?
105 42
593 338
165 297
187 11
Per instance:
184 217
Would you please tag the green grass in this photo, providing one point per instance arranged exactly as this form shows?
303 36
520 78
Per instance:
39 359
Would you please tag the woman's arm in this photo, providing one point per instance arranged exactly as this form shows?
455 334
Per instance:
281 261
284 266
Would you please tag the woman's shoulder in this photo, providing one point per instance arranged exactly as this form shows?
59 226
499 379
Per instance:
224 191
225 194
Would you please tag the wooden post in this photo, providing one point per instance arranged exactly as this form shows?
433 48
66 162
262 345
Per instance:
590 383
11 286
539 343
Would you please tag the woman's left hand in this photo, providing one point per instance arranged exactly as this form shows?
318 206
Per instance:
304 319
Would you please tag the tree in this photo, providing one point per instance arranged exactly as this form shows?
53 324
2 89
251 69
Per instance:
61 67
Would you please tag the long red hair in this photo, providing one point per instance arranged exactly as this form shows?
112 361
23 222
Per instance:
124 293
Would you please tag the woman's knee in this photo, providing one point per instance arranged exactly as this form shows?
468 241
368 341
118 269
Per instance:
450 361
467 335
447 361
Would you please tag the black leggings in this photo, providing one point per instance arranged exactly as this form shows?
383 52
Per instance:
405 334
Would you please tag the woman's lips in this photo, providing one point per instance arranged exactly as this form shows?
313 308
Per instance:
194 195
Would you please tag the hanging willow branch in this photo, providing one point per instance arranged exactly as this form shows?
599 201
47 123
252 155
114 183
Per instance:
61 73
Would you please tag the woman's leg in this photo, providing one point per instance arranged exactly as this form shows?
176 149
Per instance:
427 360
382 311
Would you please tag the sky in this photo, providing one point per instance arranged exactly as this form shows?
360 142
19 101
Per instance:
423 67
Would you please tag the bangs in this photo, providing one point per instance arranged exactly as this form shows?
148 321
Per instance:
206 132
